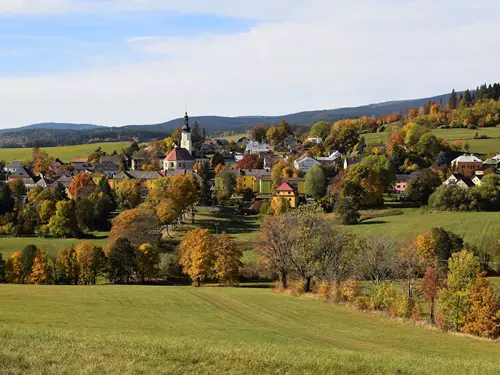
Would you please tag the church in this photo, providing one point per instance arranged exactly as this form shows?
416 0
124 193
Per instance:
180 160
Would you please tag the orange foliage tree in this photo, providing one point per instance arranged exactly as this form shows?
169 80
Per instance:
81 185
140 225
227 259
196 253
13 272
40 271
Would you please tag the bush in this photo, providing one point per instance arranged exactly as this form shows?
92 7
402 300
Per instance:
350 290
471 126
382 296
297 287
402 306
362 302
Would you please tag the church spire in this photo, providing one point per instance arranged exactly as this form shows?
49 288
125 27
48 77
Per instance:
186 127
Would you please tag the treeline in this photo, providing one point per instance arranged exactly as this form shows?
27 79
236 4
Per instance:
310 255
62 137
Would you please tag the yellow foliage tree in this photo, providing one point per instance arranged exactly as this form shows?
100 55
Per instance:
69 271
279 206
425 249
196 255
148 260
40 272
13 268
227 259
90 260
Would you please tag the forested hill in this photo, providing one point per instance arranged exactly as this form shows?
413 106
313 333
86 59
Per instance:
52 134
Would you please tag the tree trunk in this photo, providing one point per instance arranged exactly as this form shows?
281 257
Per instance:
198 282
308 284
284 279
431 311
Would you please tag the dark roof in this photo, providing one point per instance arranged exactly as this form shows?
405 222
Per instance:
179 154
21 173
402 177
15 164
116 159
144 175
106 166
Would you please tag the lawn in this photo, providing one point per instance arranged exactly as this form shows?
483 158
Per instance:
8 245
65 153
235 137
481 229
183 330
483 146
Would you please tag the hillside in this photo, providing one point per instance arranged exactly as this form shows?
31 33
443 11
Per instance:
48 133
184 330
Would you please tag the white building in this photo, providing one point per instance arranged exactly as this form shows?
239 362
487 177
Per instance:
181 159
256 147
305 163
315 140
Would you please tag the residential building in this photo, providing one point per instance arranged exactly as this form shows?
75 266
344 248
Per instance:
82 164
107 168
315 140
257 148
115 159
466 165
334 159
136 163
24 175
286 191
305 163
14 166
401 183
459 180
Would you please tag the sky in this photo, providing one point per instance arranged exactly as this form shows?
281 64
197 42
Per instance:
119 62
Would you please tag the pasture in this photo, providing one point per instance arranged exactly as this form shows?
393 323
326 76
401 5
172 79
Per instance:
65 153
184 330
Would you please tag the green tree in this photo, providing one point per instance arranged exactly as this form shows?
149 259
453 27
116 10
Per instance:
196 136
421 185
347 209
64 223
6 199
18 190
122 262
428 145
84 211
320 129
28 256
315 184
60 192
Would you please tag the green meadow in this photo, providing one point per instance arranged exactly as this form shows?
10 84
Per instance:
65 153
184 330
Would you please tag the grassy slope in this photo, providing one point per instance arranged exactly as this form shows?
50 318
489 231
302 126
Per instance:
183 330
466 135
65 153
478 228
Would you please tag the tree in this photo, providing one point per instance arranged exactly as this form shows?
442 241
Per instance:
2 270
64 223
409 265
348 210
251 161
483 317
91 262
454 300
68 267
60 192
320 129
453 101
227 259
430 288
18 190
6 199
258 132
41 160
428 145
47 210
227 185
274 246
40 272
279 205
148 260
128 196
425 249
139 226
378 259
81 185
122 261
196 136
84 211
421 185
28 256
196 253
315 184
13 268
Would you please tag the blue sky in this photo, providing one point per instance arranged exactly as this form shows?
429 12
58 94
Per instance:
117 62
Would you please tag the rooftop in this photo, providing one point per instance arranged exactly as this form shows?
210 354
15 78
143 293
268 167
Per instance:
467 159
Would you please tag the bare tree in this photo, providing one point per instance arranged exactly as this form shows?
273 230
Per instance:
378 259
409 264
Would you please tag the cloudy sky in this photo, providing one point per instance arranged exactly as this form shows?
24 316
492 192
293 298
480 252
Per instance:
117 62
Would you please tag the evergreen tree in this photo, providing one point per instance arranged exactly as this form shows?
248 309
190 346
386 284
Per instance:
204 134
2 270
468 97
196 136
60 192
28 256
6 199
453 101
122 262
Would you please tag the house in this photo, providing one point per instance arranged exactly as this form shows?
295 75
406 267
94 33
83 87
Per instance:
492 163
466 165
305 163
136 163
257 148
115 159
42 182
56 168
291 143
286 191
459 180
315 140
298 184
334 159
349 162
401 183
14 166
64 180
477 180
82 164
24 175
107 168
497 157
245 178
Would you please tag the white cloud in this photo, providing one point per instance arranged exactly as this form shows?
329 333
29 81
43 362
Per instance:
322 54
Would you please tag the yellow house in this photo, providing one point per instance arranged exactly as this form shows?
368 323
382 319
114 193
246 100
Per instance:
466 165
288 193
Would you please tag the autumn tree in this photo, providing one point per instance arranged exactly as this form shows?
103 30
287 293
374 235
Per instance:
91 262
122 261
41 160
139 225
128 196
40 271
148 260
258 132
378 261
251 161
68 267
483 317
81 185
13 270
28 256
227 259
196 255
60 192
2 270
64 223
279 205
431 284
47 210
167 211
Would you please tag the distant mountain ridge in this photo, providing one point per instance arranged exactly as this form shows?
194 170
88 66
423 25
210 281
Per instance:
54 133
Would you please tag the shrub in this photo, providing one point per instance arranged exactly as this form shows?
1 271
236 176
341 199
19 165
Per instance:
362 302
471 126
297 287
402 306
350 290
382 296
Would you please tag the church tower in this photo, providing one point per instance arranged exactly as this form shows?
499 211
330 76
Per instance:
186 141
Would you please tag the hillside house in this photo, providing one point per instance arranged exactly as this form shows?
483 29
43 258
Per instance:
305 163
82 165
257 148
286 191
107 168
466 165
459 180
14 166
334 159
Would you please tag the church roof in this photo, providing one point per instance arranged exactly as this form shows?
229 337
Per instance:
179 154
186 127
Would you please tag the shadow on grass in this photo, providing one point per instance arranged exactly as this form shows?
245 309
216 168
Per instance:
368 222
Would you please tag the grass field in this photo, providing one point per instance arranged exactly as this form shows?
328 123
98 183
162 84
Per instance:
235 137
483 146
65 153
481 229
183 330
